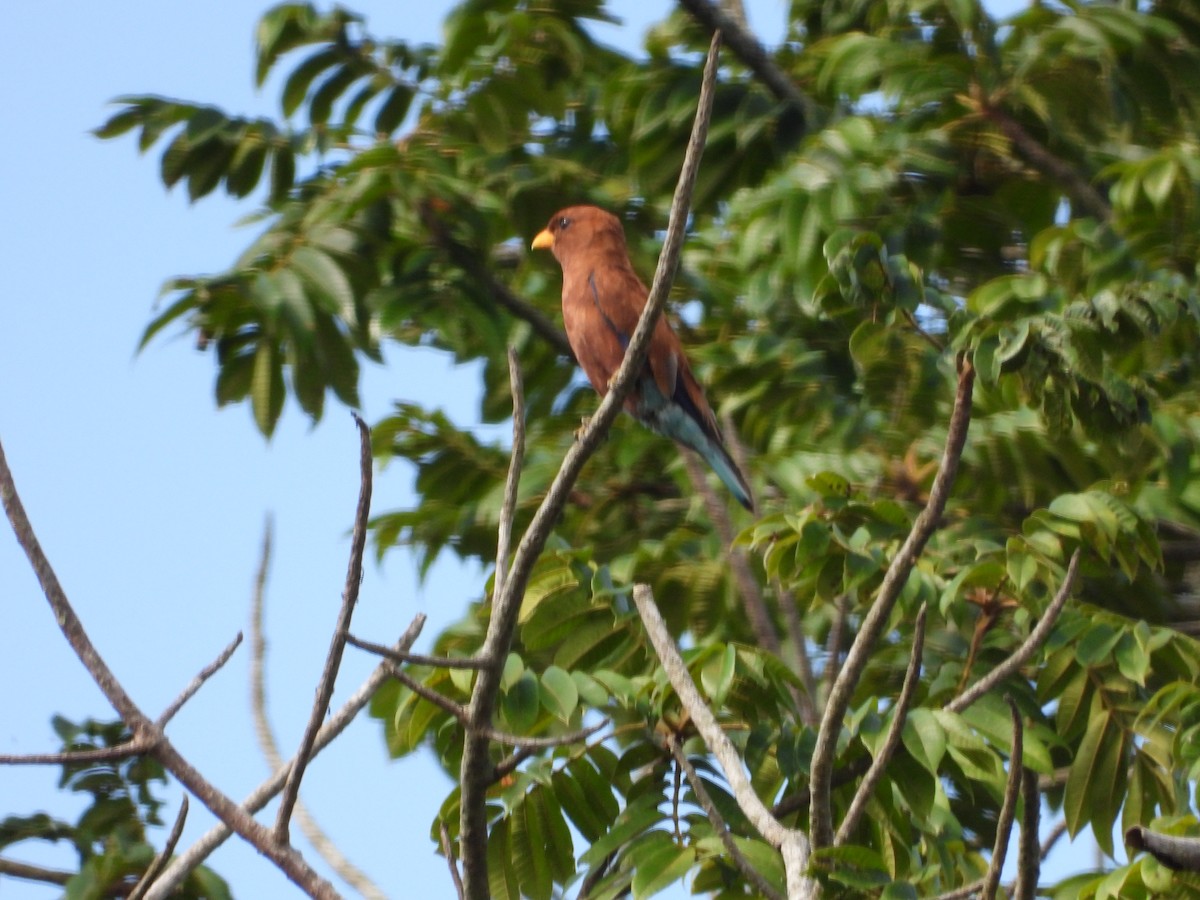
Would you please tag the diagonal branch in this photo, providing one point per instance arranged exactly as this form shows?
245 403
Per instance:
160 858
469 261
744 865
135 747
1022 654
508 508
876 618
291 863
416 659
1182 854
791 843
198 682
891 741
337 643
476 767
746 47
1074 185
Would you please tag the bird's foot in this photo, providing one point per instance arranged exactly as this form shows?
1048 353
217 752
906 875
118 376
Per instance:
583 426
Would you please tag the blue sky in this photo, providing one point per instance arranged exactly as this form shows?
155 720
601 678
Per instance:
149 501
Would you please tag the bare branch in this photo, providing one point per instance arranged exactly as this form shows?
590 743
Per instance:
130 748
476 767
891 741
448 852
1022 654
417 659
321 842
291 863
508 509
1052 838
15 869
962 893
752 53
263 794
1181 854
198 682
744 866
1029 860
337 643
793 844
160 858
460 712
877 616
1008 809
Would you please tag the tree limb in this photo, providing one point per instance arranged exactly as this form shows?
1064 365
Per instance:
1029 859
291 863
476 767
337 643
891 741
876 618
1074 185
792 843
1182 854
417 659
508 508
15 869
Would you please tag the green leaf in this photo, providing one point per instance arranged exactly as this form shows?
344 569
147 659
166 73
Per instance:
266 387
717 675
521 703
332 286
394 109
660 865
924 738
559 694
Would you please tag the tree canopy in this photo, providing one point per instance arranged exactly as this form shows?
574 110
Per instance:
905 200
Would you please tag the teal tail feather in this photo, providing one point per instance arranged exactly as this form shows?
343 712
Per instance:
675 421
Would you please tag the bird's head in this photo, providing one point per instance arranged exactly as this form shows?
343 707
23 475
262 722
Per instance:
579 231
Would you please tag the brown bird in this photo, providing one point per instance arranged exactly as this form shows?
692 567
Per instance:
602 299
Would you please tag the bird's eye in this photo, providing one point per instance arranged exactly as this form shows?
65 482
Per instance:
564 222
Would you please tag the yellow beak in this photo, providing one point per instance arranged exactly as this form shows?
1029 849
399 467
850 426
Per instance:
544 240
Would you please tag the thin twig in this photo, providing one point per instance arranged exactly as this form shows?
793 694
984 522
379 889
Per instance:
1008 810
751 874
1052 838
1022 654
476 767
962 893
891 741
1029 861
793 844
508 509
160 858
337 642
417 659
135 747
448 852
291 863
835 639
873 624
198 682
179 868
321 842
460 712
